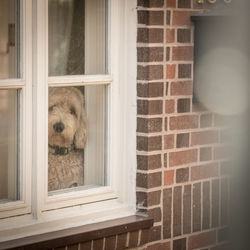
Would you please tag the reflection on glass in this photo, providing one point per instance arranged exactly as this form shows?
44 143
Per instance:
76 129
8 145
9 39
76 37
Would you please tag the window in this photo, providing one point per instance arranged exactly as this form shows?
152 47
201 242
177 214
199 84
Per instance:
67 107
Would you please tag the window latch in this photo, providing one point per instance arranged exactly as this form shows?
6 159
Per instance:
11 36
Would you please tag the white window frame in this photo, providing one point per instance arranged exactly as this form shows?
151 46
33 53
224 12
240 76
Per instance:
24 84
40 212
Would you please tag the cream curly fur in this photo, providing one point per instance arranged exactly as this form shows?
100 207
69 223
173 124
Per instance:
66 108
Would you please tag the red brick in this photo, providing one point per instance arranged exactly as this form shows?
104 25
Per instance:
183 53
170 35
184 3
146 125
149 107
168 17
165 160
150 17
148 198
177 211
159 246
182 175
153 35
179 244
155 214
149 72
168 54
183 35
167 213
187 209
152 54
110 242
152 89
182 140
171 69
98 244
166 124
182 18
168 141
221 152
149 143
184 122
183 105
204 171
151 3
171 3
202 240
121 241
184 70
204 137
155 233
205 154
181 88
182 157
196 207
86 245
169 177
206 205
133 239
169 106
144 236
148 180
148 162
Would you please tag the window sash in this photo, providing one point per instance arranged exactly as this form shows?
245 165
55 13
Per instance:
24 84
81 80
43 82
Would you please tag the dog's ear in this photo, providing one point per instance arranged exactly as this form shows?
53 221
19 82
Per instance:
81 132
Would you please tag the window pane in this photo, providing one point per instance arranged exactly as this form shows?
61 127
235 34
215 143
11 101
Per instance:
9 39
8 145
76 129
77 38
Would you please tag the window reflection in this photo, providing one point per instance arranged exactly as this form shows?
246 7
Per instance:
8 145
76 37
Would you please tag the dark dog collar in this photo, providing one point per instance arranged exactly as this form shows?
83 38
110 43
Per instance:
56 150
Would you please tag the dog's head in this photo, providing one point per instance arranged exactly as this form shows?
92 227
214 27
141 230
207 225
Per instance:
67 118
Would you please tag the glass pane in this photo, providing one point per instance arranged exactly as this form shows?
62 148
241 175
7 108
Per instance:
77 38
8 145
76 129
9 39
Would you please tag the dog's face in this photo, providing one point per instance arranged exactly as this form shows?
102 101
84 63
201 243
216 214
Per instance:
67 118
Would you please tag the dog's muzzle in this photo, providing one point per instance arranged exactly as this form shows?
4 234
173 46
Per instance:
58 127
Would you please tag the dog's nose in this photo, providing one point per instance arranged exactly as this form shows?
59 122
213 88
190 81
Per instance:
58 127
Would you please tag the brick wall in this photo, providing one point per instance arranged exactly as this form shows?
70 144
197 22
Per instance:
182 180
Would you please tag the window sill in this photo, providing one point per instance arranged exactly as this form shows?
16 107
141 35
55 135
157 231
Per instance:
81 234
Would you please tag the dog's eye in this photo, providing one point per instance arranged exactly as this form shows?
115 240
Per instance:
72 111
51 108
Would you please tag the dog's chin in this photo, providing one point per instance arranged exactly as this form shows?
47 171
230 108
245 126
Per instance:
60 141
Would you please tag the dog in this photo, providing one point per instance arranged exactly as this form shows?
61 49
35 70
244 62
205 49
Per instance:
67 131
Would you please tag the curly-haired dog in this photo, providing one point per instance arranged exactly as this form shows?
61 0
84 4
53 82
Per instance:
67 136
